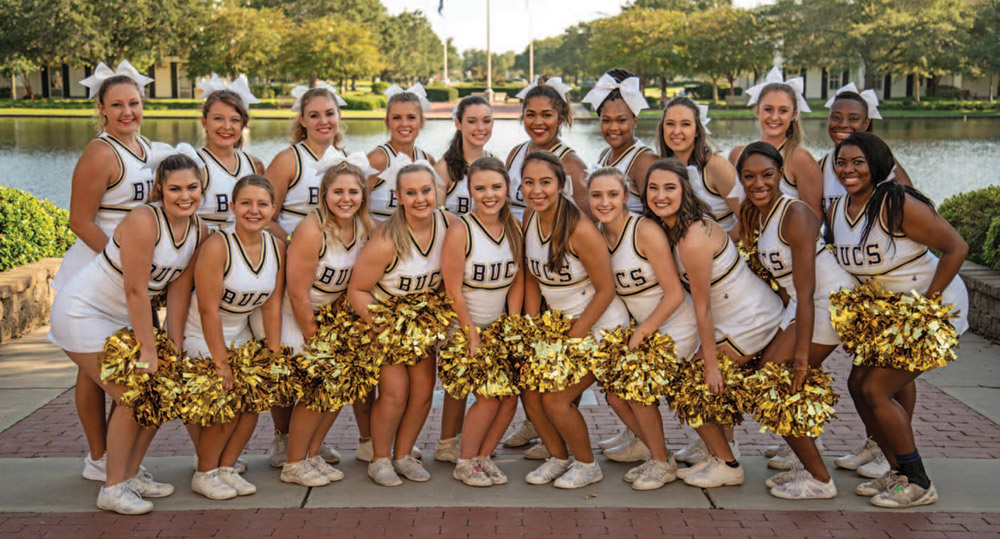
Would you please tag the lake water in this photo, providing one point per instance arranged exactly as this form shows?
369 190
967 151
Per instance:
943 156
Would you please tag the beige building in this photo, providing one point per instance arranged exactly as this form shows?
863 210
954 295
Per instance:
170 81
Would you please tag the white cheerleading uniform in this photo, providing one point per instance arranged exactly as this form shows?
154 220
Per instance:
718 207
570 289
382 198
637 285
745 311
130 189
490 269
245 287
420 270
302 195
333 272
514 165
895 261
219 182
624 164
775 254
93 305
832 188
458 200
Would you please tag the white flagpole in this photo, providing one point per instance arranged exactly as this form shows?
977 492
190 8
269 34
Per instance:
531 43
489 56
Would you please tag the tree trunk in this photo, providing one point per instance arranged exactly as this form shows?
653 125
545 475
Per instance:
715 91
916 86
932 85
732 86
992 88
312 80
28 92
354 85
13 87
663 90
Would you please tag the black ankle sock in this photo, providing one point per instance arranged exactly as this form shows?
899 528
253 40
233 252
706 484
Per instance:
912 466
733 464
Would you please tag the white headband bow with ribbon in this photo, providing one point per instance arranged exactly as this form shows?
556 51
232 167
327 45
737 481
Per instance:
391 174
871 99
159 151
332 157
703 117
301 90
417 90
775 76
556 83
102 73
239 86
629 88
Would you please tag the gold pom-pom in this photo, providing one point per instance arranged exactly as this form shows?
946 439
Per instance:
486 374
695 405
333 369
412 326
551 360
257 374
150 396
204 400
785 413
750 254
900 331
284 373
641 375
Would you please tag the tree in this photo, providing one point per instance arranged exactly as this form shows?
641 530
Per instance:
410 48
330 48
984 42
686 6
143 31
725 42
648 43
474 61
236 40
574 51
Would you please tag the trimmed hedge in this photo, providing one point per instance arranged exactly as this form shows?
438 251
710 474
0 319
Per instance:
364 102
31 229
976 217
511 91
442 94
379 87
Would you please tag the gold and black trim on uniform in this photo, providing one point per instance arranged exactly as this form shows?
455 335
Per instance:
121 163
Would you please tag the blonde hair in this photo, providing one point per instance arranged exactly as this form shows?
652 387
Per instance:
793 135
100 120
617 175
404 97
230 98
331 228
511 227
395 228
299 132
253 180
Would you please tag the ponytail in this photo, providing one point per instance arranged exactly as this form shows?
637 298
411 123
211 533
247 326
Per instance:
454 157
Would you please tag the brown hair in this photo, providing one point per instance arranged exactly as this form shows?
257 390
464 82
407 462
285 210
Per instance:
692 209
404 97
230 98
617 175
749 214
99 119
395 227
299 131
253 180
793 135
567 214
171 164
454 156
510 226
701 154
329 223
565 114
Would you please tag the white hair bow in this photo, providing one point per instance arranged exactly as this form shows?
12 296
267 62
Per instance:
775 76
703 118
417 90
556 83
629 88
103 73
391 174
239 86
301 90
333 157
871 99
159 151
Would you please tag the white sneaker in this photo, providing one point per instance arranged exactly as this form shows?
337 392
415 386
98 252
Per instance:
496 475
632 451
876 468
447 450
716 474
635 472
230 477
524 435
693 453
905 494
122 500
279 448
784 460
537 452
329 454
211 486
618 439
416 453
323 468
364 451
302 473
469 472
877 486
411 469
805 487
381 471
656 475
97 470
144 485
240 466
859 456
734 446
773 450
548 471
580 475
684 472
786 476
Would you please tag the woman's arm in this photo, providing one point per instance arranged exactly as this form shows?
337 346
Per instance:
372 262
441 167
137 236
576 170
280 173
270 311
378 161
179 296
208 276
592 250
720 175
95 171
516 293
300 271
923 225
453 272
902 177
808 179
640 167
801 228
696 251
654 245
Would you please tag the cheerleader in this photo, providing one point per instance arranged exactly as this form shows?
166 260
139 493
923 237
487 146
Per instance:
224 117
109 181
683 135
617 99
570 269
402 258
737 314
115 290
404 118
481 271
792 251
777 104
885 231
238 272
295 175
646 280
473 129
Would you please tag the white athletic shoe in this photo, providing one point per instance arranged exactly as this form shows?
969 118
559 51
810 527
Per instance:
635 472
230 477
874 469
211 486
469 472
122 500
302 473
618 439
411 469
859 456
905 494
657 474
716 474
784 460
279 448
496 475
447 450
97 470
773 450
381 471
877 486
416 453
684 472
805 487
329 454
364 451
240 466
537 452
323 468
548 471
693 453
632 451
144 485
524 435
580 475
786 476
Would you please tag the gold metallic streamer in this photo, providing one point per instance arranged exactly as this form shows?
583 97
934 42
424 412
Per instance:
641 375
549 360
487 374
412 326
778 409
750 254
695 405
150 396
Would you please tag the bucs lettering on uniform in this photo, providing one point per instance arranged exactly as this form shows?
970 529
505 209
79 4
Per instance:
413 284
141 190
859 256
334 276
630 279
245 299
540 270
164 274
493 271
417 271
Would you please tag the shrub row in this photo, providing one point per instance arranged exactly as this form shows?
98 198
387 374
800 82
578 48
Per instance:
30 229
976 217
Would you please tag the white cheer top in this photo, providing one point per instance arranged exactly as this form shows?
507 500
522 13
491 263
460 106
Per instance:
302 195
490 269
419 270
514 165
719 208
624 164
382 199
219 182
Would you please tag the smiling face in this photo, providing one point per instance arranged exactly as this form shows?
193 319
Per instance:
847 117
775 112
540 186
321 118
541 120
122 107
253 208
607 198
344 197
663 194
760 177
476 125
489 192
223 125
852 170
618 123
680 130
181 193
417 195
404 122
